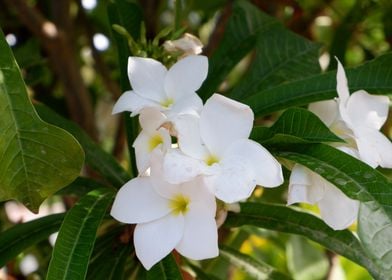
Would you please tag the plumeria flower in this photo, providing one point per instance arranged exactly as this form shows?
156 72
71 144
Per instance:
188 44
153 136
168 216
356 118
216 145
170 91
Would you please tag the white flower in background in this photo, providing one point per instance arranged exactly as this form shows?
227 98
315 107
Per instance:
187 44
152 136
216 145
168 216
170 91
357 119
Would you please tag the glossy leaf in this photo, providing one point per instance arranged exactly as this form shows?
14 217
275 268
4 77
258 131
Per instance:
281 55
20 237
295 124
285 219
374 77
361 182
77 236
36 158
254 268
96 158
166 269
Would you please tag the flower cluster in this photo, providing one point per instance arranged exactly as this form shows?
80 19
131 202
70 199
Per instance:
356 118
173 200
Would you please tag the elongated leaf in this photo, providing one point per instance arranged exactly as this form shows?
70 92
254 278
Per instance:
295 122
361 182
254 268
285 219
77 236
20 237
36 159
280 54
201 274
96 158
374 76
166 269
80 187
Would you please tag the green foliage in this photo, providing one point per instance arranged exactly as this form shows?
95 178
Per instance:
20 237
373 77
274 70
255 269
77 235
295 125
37 159
96 158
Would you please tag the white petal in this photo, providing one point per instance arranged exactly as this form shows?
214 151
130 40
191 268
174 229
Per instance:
267 170
366 109
155 240
144 146
341 84
305 186
223 121
236 181
179 168
199 192
327 111
137 202
132 102
151 119
186 76
188 104
188 135
336 209
147 78
158 181
374 147
200 239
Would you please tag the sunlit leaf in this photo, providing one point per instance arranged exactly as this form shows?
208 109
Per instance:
254 268
36 158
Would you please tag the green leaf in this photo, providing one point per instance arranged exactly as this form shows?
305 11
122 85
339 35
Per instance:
200 273
305 262
37 159
359 181
374 77
375 231
254 268
166 269
298 125
110 256
281 55
285 219
96 158
77 236
20 237
80 187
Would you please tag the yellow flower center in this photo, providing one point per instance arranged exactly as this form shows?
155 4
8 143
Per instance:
211 159
167 102
154 142
179 204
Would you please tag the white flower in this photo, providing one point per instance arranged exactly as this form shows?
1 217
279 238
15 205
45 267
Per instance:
170 91
168 217
336 209
216 145
187 44
356 118
153 136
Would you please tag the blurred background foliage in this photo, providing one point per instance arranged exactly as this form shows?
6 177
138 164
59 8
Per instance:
69 62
